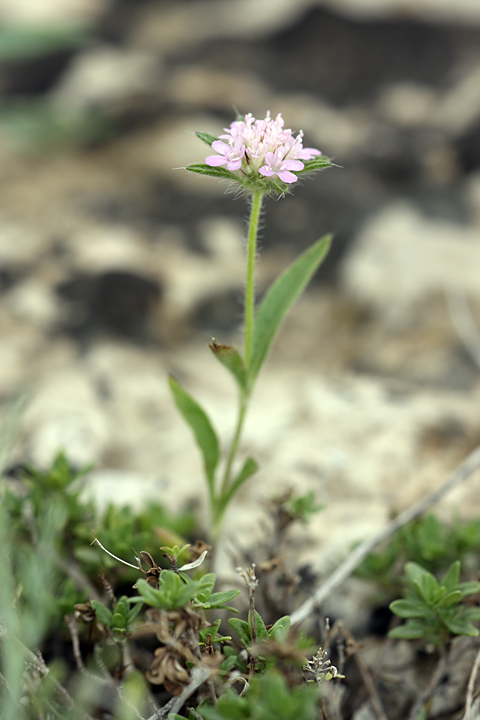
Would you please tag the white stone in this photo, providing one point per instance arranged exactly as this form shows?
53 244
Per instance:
103 76
400 258
34 302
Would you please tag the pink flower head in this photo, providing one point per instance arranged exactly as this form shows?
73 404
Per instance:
261 148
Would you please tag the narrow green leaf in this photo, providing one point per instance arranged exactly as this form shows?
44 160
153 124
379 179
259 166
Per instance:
150 595
412 630
249 467
184 594
206 138
317 163
260 629
133 612
452 576
206 585
202 428
232 360
410 609
468 588
103 613
118 620
457 626
279 299
217 600
213 171
242 629
279 631
471 614
450 599
415 572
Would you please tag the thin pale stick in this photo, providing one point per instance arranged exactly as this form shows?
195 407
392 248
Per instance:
471 687
347 567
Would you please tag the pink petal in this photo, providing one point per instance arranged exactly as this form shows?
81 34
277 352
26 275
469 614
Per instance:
265 170
287 177
293 165
234 164
307 153
215 160
220 147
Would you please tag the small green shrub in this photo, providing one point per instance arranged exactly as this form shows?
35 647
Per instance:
434 609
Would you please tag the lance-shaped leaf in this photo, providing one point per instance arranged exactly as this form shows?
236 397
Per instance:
232 360
206 138
202 428
317 163
213 171
249 467
279 299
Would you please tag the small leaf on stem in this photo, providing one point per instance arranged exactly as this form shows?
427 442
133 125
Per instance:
202 428
213 171
279 299
232 360
206 138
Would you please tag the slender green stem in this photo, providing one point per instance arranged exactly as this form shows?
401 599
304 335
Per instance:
249 320
219 504
250 283
234 446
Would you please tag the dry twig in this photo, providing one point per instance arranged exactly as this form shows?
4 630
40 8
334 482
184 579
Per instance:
471 687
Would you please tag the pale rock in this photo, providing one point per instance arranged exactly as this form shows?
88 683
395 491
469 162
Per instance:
102 248
20 246
34 302
105 76
112 486
188 280
400 258
66 414
408 104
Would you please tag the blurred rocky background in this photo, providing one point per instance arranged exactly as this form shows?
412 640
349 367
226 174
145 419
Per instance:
117 266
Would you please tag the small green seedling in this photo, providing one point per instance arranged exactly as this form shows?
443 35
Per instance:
119 620
434 610
176 590
243 628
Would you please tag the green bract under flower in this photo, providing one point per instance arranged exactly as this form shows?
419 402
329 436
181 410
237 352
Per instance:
260 155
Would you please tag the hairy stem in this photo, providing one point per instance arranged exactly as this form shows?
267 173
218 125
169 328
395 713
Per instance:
249 317
249 323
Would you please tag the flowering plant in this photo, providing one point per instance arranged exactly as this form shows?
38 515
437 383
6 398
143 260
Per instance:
263 158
